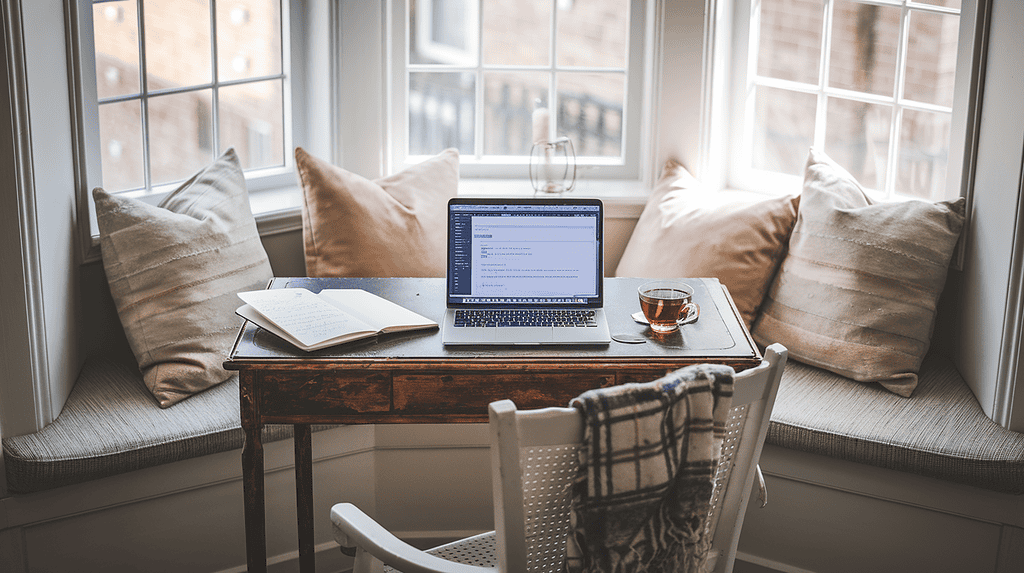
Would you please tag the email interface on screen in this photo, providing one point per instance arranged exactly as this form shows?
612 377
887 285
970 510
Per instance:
524 254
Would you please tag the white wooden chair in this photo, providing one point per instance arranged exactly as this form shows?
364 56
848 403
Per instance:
533 462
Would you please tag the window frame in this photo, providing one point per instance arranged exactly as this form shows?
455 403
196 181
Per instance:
637 141
276 184
424 38
738 56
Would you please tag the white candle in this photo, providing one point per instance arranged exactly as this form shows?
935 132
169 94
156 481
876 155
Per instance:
541 118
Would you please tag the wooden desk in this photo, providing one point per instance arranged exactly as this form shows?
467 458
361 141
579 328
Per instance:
412 378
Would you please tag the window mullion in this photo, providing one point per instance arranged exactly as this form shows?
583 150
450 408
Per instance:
480 111
215 90
147 179
824 68
895 129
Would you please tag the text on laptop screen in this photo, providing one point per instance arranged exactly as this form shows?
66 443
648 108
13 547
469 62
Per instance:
524 254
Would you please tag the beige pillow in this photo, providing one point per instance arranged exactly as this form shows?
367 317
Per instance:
173 271
857 292
684 231
391 227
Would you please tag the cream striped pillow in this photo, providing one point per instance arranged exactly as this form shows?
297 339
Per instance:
173 271
857 291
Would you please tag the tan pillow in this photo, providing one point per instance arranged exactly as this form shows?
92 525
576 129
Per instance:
391 227
684 231
173 271
857 292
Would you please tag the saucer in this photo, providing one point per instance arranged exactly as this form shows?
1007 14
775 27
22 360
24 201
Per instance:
639 317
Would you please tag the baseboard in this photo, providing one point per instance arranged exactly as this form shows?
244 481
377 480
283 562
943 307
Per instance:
747 563
329 559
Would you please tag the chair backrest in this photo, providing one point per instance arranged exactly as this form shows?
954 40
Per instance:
534 460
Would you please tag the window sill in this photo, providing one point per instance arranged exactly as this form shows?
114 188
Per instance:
279 210
623 199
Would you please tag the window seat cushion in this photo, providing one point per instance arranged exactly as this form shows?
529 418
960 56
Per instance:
940 432
111 424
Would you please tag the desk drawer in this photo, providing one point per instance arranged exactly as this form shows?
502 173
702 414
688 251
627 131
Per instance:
430 393
323 393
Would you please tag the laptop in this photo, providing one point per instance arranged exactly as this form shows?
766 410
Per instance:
525 271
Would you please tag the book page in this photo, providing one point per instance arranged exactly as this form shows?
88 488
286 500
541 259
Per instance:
382 314
304 315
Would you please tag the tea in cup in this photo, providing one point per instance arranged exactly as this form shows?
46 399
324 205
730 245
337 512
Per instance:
666 303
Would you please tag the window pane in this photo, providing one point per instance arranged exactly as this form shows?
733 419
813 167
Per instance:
517 33
116 30
121 146
443 32
176 54
593 33
923 155
931 58
441 112
790 42
783 130
857 137
508 116
864 45
248 39
590 107
946 3
252 121
180 135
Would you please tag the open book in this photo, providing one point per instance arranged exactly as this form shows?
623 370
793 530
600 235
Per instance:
314 321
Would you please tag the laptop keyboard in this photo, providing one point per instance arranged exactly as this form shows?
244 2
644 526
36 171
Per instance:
526 317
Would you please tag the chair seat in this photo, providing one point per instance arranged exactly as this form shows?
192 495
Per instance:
477 550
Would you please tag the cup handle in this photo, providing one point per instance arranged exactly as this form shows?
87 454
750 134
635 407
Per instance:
689 313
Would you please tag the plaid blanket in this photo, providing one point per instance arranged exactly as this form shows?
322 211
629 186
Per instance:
643 490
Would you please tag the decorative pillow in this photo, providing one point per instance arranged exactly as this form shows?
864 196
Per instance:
684 231
173 271
391 227
857 292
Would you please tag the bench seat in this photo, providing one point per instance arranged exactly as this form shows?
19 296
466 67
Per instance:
111 424
941 431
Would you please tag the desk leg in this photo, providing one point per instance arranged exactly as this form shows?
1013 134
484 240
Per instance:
252 476
304 496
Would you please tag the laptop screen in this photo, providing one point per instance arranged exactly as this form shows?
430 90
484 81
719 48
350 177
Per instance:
525 252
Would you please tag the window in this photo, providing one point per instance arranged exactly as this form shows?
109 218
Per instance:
180 81
471 74
871 82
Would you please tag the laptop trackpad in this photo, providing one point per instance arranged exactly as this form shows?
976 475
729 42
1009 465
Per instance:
525 334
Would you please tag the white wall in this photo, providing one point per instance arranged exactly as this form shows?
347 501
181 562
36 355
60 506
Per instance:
186 516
